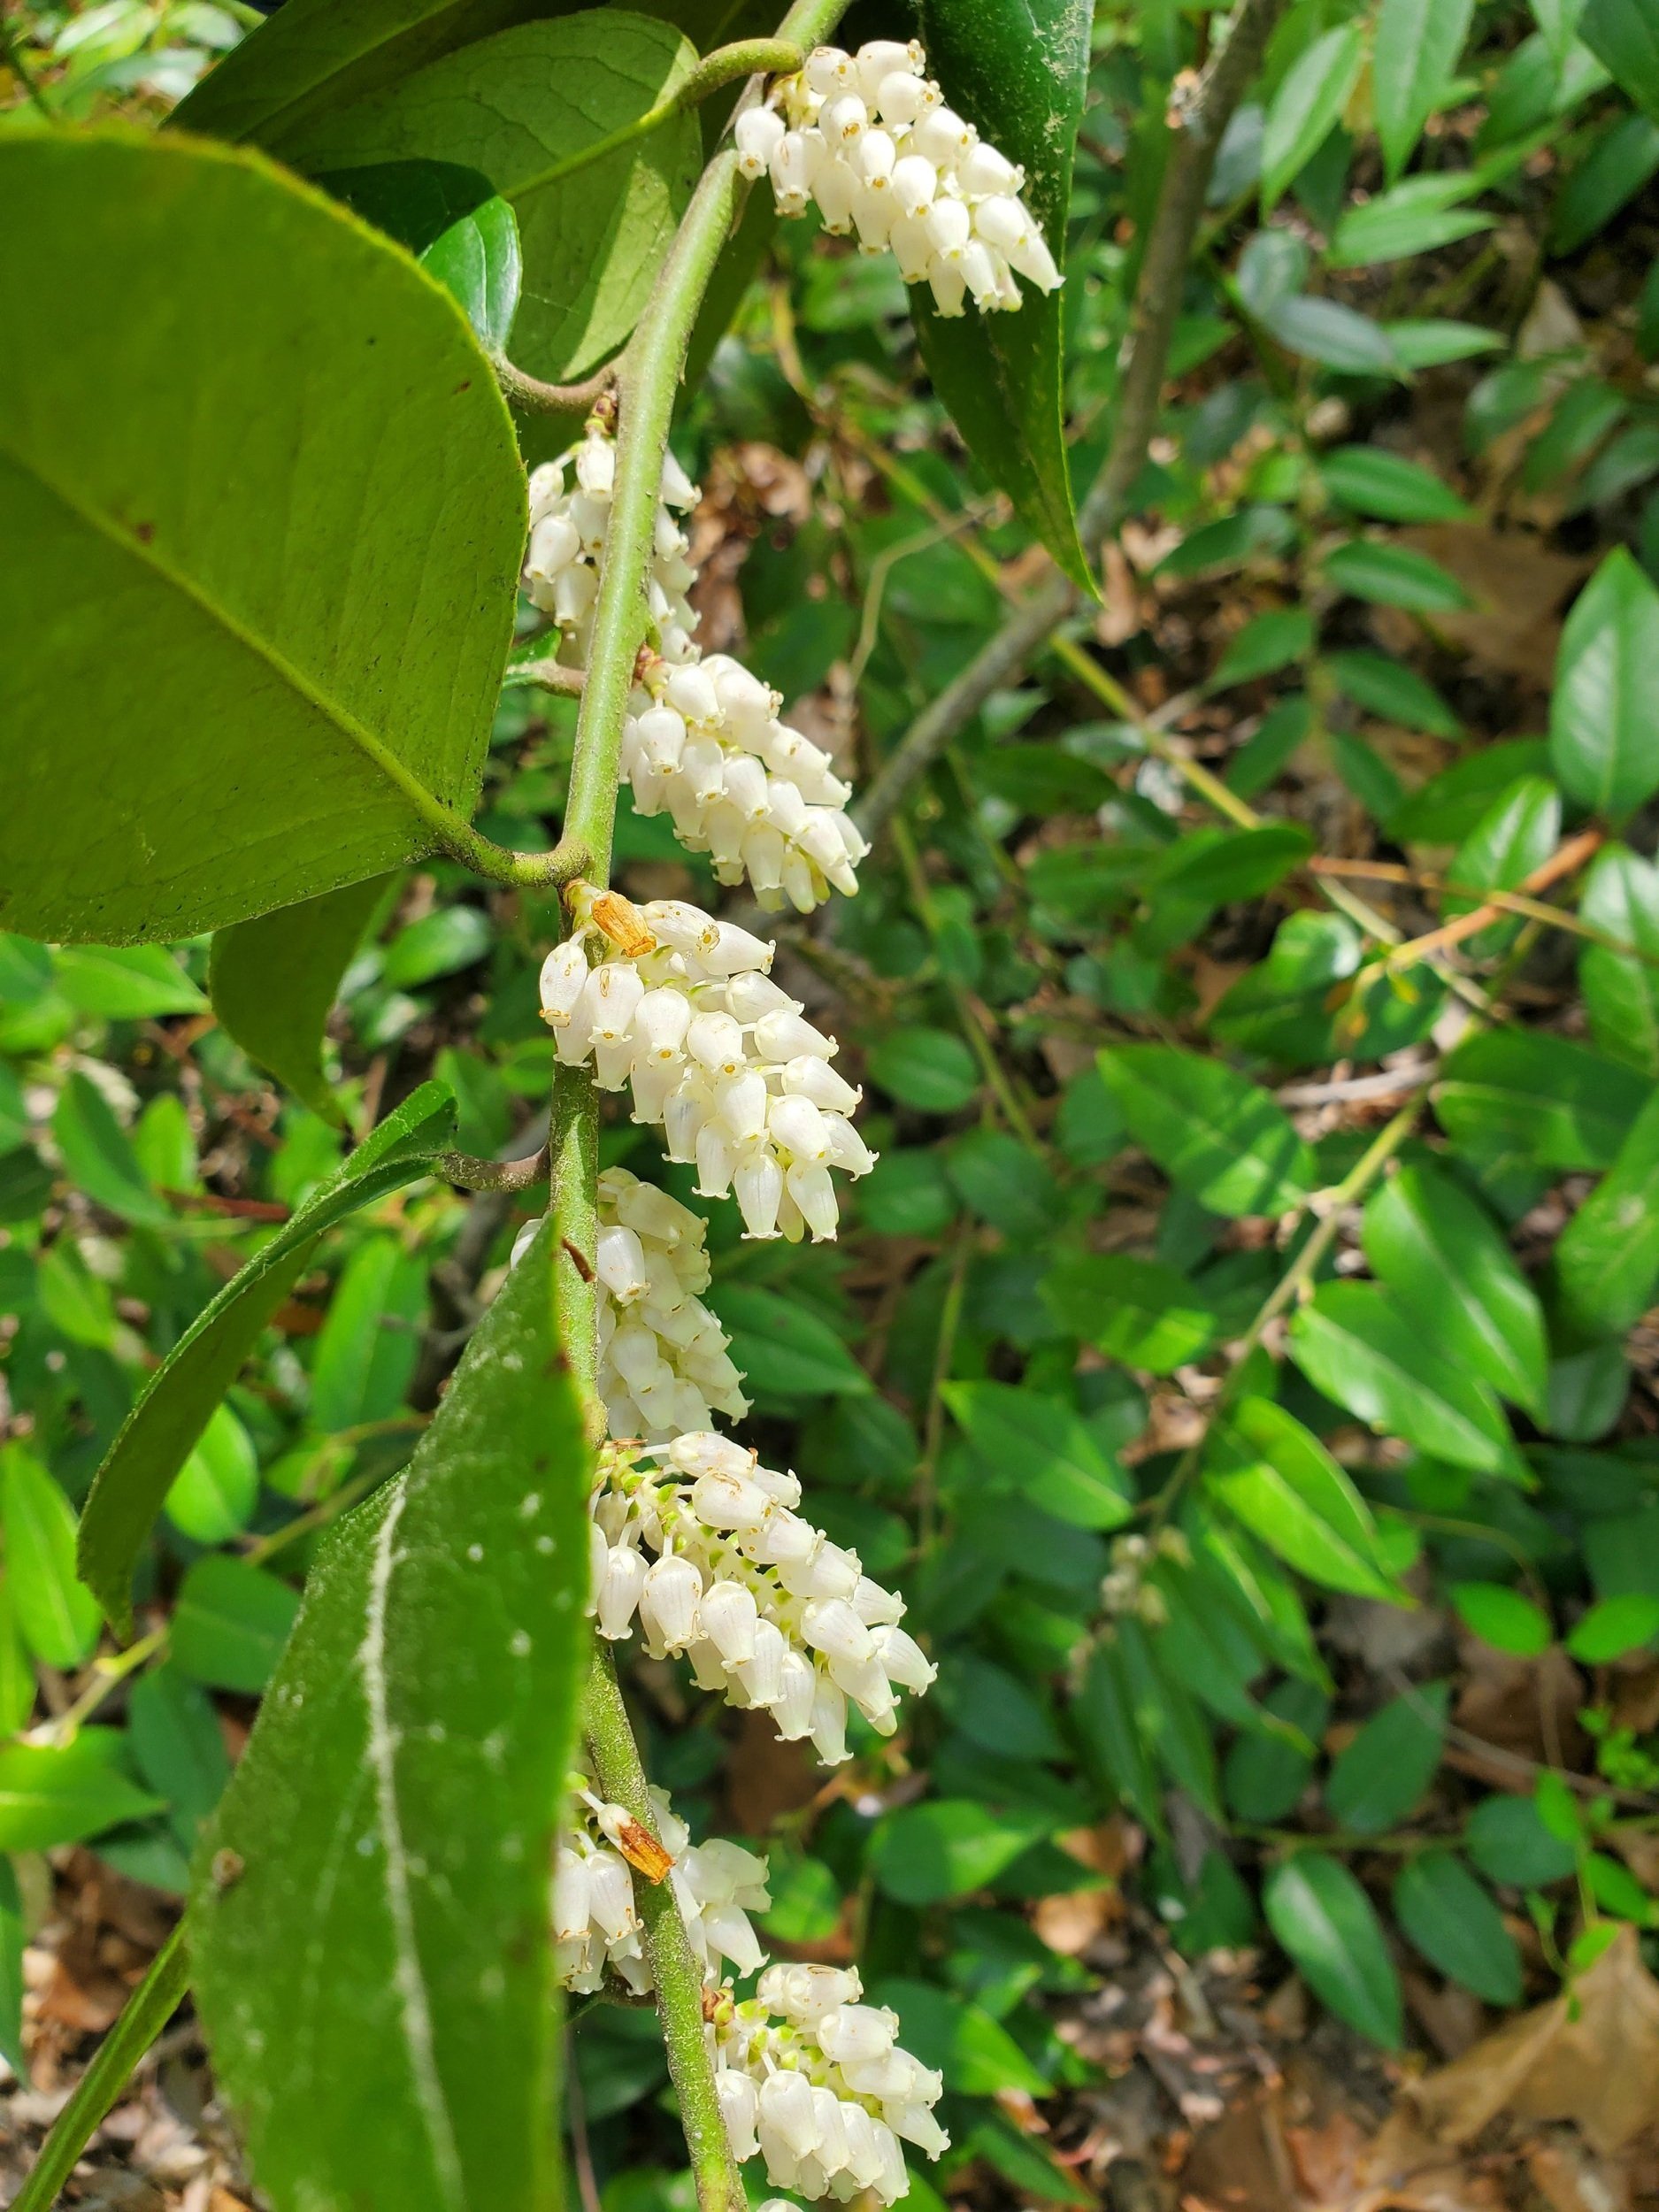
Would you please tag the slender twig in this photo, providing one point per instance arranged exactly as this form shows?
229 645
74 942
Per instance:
1141 367
539 398
147 2012
552 675
1563 862
108 1674
468 1172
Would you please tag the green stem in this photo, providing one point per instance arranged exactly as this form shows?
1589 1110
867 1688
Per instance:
674 1971
749 56
147 2012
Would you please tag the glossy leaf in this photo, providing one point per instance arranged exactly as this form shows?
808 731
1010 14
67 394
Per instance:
1325 1923
1308 102
1141 1312
1378 1778
1452 1920
930 1070
125 982
1607 676
268 679
1336 336
1539 1096
1363 1352
1279 1481
1395 576
1373 481
1266 1771
1019 75
1623 36
1615 1627
53 1793
369 1342
1509 1843
1502 1617
922 1853
394 1810
1417 44
1607 1259
1213 1131
523 108
1039 1446
212 1496
164 1426
273 981
784 1351
58 1621
231 1623
1442 1259
1621 990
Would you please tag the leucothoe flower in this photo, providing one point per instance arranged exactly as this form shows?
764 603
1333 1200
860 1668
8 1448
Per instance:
676 1008
868 140
570 514
817 2083
665 1361
601 1857
702 743
704 1548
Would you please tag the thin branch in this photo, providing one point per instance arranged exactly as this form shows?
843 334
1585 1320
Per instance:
1141 367
538 398
552 675
1563 862
468 1172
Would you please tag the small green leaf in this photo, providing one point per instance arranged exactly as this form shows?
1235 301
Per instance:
930 1070
976 2054
1279 1481
440 943
59 1622
395 1808
1397 225
160 1432
1447 1265
1395 576
1416 49
1380 1776
1004 1182
1338 337
125 982
1267 1770
1540 1097
1621 991
231 1623
62 1794
99 1156
12 1941
1143 1313
1042 1447
1615 1627
1374 481
1020 76
1607 676
923 1853
1325 1921
1607 1259
1307 106
1392 692
213 1494
1213 1131
1267 642
1502 1617
368 1345
1510 1844
1452 1920
274 981
1353 1343
173 1734
783 1350
1623 36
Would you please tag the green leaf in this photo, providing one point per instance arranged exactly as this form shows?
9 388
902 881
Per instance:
99 1158
11 1942
1416 49
1393 692
1443 1259
976 2054
1307 104
1516 835
1509 1843
440 943
1374 481
1452 1920
368 1345
276 748
1267 642
1558 21
1621 992
930 1070
1607 1259
1142 1312
231 1623
1395 576
1502 1617
1279 1481
1336 336
313 54
17 1669
62 1793
1357 1347
58 1621
393 1813
1112 1747
1042 1448
524 108
1019 75
1607 676
785 1351
273 981
1166 1719
1379 1777
1621 158
1215 865
162 1429
1266 1771
125 982
1552 1102
1429 345
1325 1921
1623 36
472 248
213 1494
173 1735
1398 224
947 1848
1615 1627
1213 1133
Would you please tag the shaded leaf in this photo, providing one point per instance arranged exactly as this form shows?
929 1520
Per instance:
1452 1920
1212 1131
1377 1778
1307 106
273 981
1279 1481
1325 1921
1417 44
58 1620
1358 1347
63 1793
1607 1259
1607 676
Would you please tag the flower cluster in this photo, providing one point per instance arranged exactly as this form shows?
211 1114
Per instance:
678 1008
816 2082
1125 1588
868 139
664 1358
703 742
597 1926
706 1549
570 514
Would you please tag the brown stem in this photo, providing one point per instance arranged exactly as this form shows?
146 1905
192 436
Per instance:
468 1172
538 398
